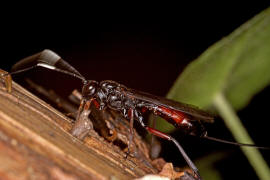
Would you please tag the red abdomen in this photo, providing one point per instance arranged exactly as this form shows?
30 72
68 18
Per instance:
186 123
177 118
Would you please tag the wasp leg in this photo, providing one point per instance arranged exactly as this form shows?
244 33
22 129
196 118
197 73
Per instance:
83 124
130 136
170 138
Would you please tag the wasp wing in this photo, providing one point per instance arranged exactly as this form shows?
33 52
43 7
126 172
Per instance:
193 111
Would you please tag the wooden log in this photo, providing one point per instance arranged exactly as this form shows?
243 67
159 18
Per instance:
35 143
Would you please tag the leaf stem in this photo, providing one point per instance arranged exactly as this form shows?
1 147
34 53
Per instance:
241 135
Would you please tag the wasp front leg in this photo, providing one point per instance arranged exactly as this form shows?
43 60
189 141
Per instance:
83 124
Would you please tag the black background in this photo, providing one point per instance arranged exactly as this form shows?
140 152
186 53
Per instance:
143 48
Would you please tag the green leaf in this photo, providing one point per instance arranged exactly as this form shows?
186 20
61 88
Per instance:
237 66
226 76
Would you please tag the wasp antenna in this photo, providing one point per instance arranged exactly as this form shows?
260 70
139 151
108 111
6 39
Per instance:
46 59
234 143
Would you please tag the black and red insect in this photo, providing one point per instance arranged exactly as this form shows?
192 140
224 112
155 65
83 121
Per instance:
129 102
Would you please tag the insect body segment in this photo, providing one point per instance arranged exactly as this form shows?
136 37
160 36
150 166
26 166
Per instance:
178 119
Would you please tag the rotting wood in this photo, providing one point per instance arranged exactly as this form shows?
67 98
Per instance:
35 141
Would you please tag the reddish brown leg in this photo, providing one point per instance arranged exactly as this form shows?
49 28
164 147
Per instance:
169 138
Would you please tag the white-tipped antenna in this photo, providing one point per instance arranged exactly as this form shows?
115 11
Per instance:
60 70
46 59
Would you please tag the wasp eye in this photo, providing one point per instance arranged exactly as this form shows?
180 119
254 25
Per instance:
89 89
